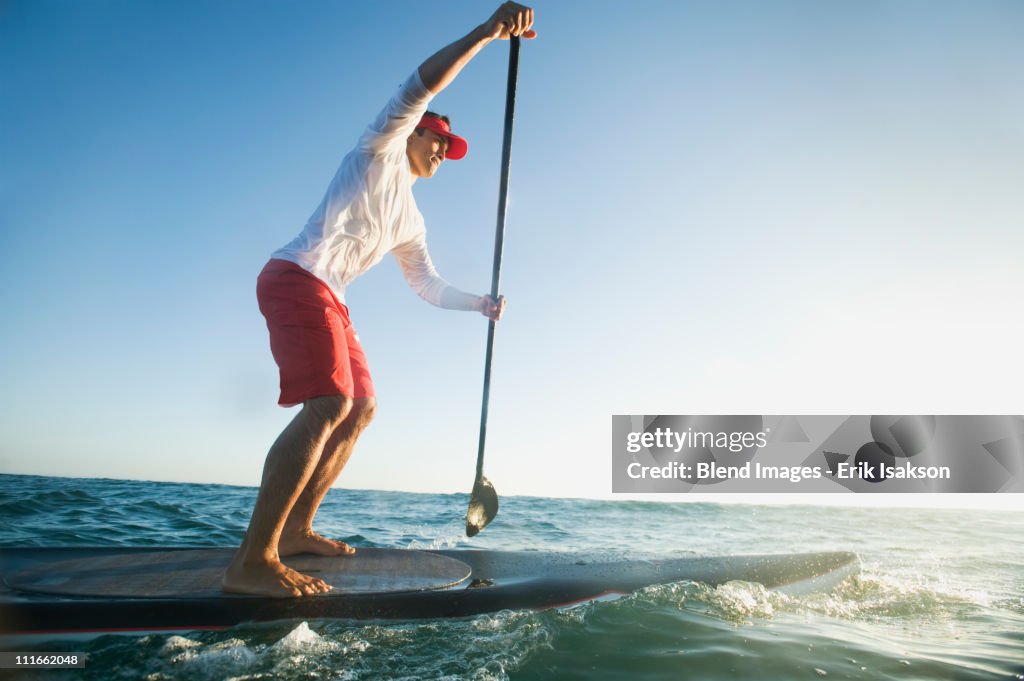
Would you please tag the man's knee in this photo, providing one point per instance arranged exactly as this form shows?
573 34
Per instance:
330 410
363 410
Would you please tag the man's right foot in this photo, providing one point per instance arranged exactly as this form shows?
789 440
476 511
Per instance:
273 579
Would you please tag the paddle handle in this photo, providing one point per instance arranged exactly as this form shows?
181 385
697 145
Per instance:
499 238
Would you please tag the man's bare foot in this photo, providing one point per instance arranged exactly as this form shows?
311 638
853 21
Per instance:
272 579
308 541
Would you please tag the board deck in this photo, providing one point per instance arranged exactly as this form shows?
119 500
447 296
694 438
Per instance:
197 573
499 580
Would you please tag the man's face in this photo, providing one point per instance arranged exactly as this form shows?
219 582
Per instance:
426 152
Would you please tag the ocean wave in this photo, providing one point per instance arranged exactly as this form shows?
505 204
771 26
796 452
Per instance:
485 648
46 501
875 596
862 597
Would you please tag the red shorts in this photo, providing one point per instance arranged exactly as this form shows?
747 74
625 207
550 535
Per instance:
311 336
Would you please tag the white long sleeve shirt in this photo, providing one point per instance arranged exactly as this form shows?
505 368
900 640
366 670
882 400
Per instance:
369 210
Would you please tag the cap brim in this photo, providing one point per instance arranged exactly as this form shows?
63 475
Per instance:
457 147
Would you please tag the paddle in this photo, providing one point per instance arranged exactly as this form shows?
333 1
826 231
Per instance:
483 504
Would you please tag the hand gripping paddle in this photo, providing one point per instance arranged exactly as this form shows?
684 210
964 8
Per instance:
483 504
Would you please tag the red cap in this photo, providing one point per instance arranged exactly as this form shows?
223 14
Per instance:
457 146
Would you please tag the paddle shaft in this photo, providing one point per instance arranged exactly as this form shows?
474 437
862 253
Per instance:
499 238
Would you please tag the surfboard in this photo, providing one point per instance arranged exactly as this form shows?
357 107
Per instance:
57 591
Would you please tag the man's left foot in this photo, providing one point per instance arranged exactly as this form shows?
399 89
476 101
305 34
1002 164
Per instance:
310 542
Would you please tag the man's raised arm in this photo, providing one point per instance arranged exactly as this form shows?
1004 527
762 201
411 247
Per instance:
510 19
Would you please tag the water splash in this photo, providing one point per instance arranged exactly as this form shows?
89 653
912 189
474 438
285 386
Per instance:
876 596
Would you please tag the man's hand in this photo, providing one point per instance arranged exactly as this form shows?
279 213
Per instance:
510 19
490 308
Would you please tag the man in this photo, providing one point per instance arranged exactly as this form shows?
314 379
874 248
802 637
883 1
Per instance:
368 211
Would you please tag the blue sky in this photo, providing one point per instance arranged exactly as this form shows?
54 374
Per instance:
745 207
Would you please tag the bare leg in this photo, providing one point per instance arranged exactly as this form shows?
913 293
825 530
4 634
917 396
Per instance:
298 535
257 567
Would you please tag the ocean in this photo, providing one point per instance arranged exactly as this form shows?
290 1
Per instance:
941 595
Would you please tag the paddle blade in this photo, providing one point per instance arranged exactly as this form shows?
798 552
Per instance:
483 506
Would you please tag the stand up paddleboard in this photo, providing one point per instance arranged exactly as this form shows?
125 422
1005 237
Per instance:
56 591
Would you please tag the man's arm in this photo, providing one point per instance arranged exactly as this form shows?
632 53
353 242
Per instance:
510 19
454 299
419 271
